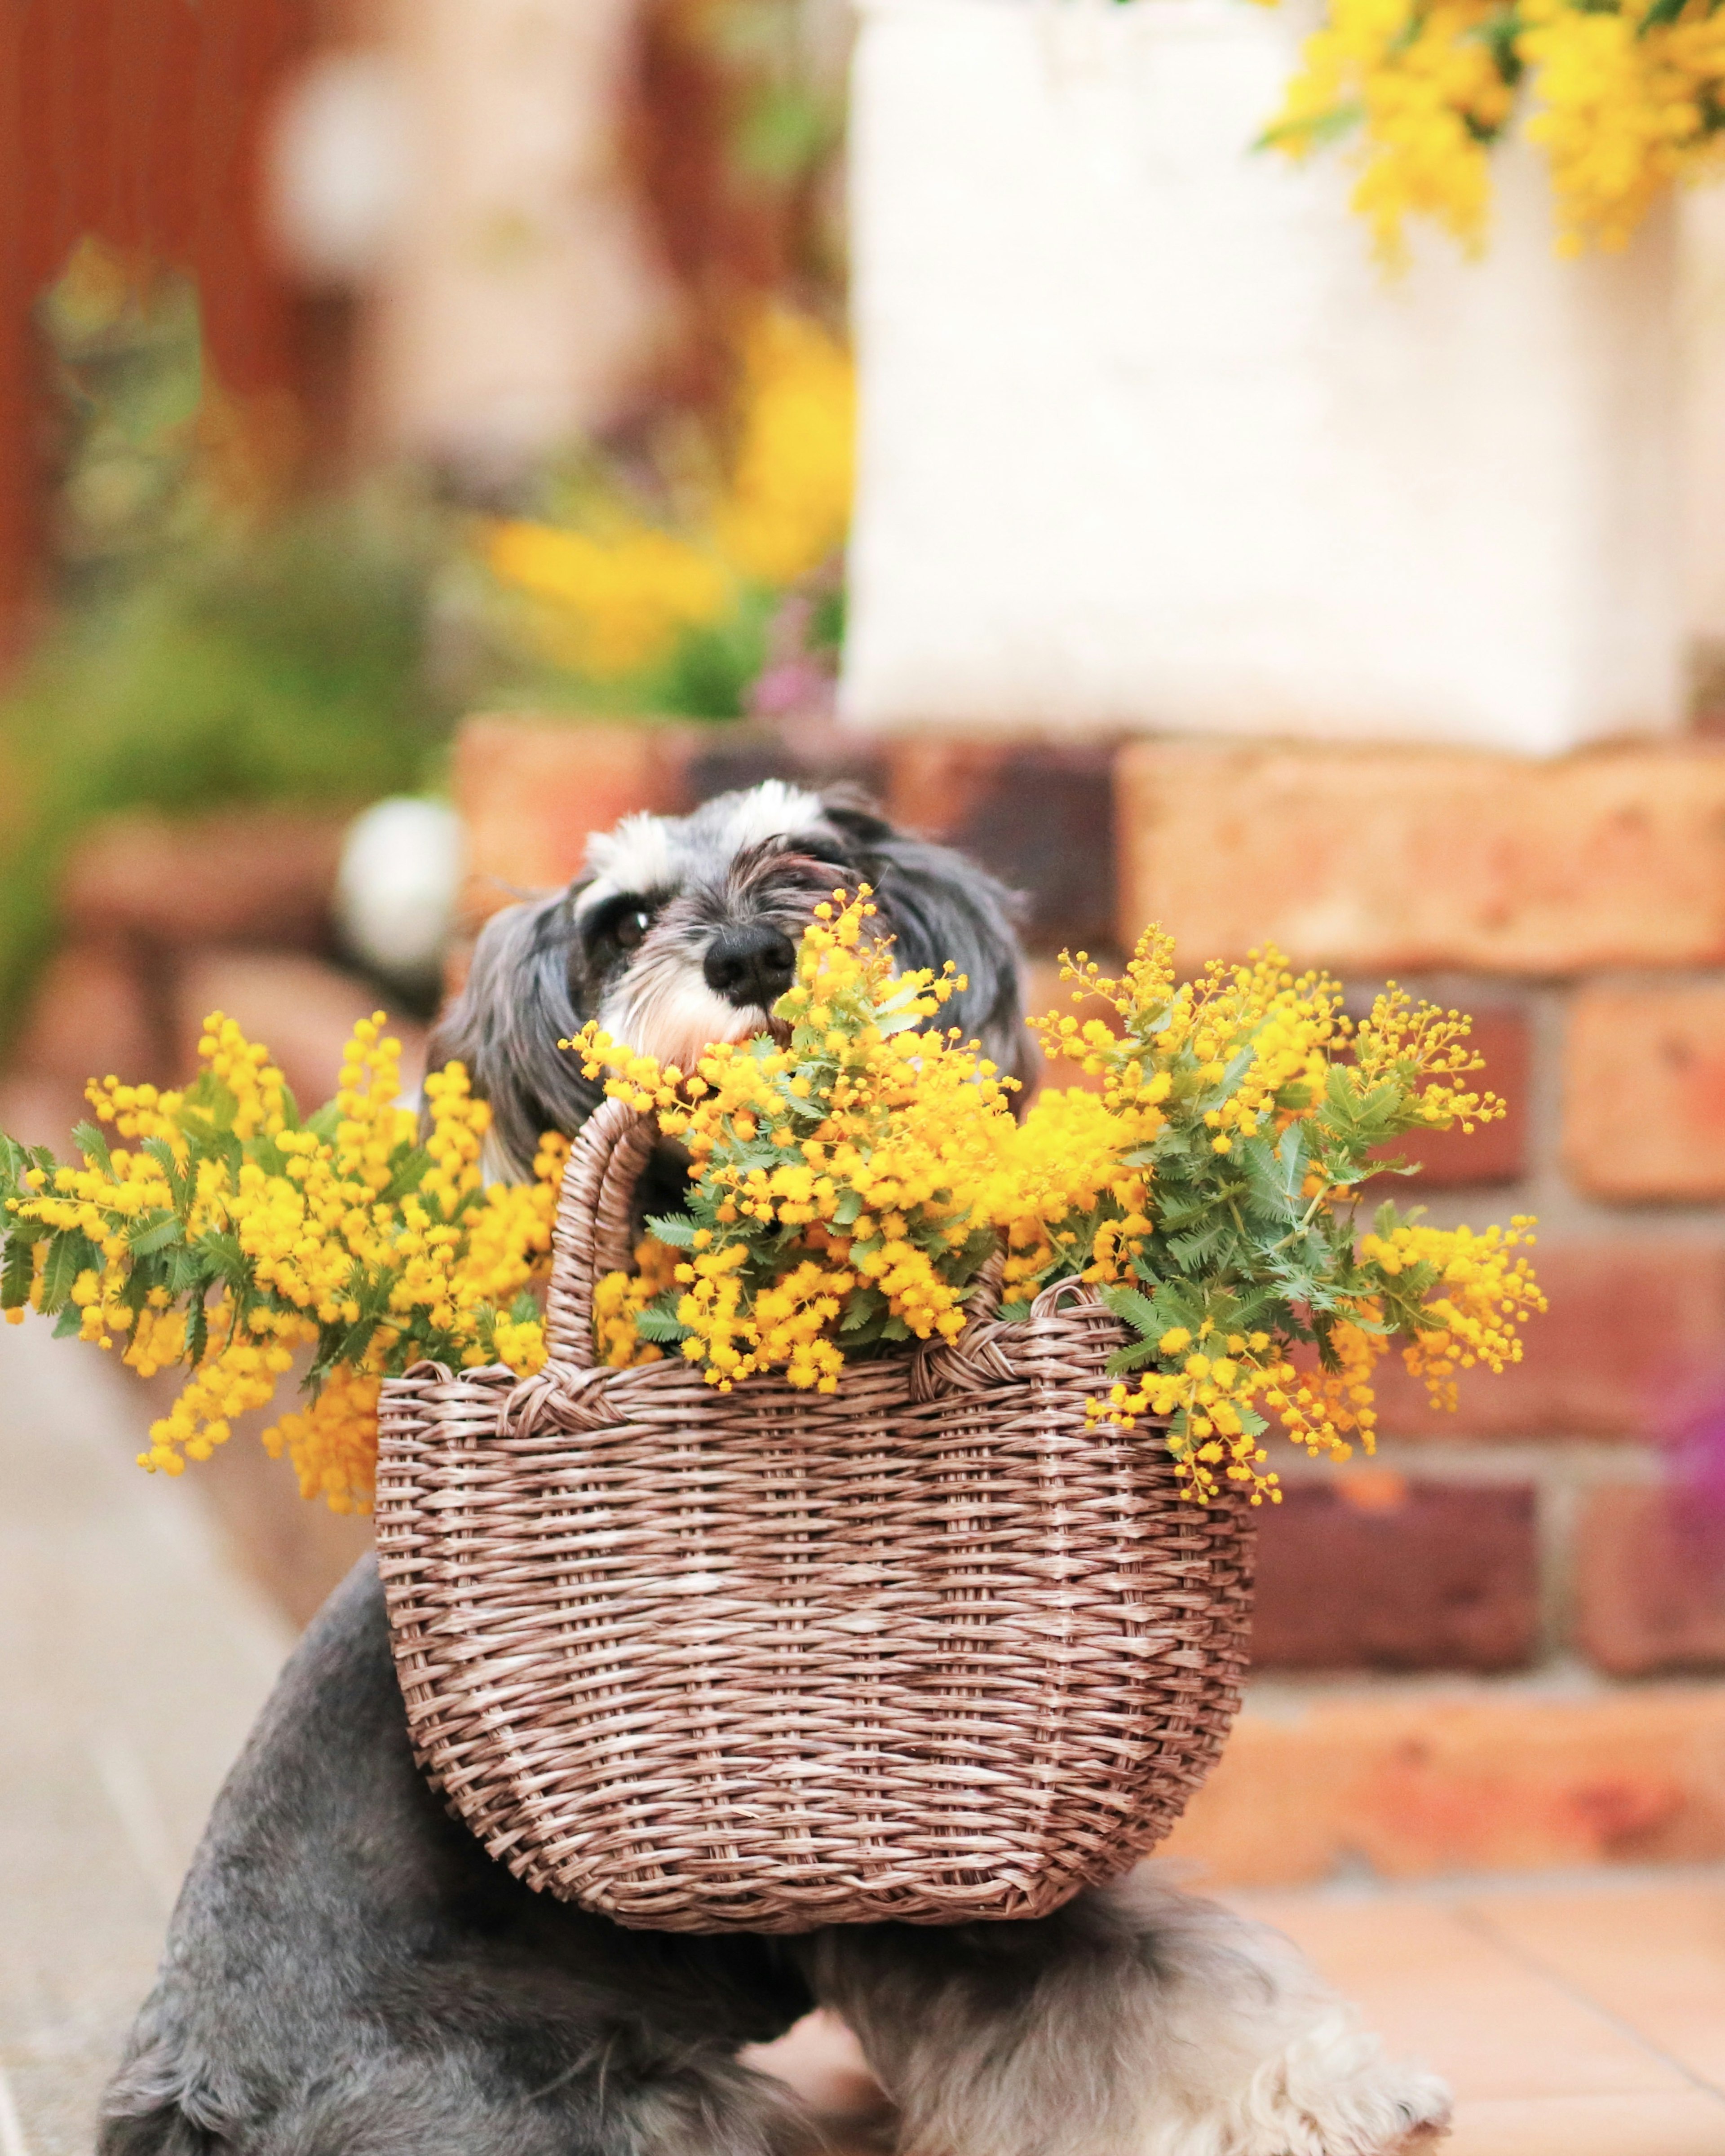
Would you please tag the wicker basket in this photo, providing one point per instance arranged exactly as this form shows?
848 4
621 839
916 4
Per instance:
931 1648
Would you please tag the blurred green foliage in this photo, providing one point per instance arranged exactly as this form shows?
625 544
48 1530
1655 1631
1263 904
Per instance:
212 646
785 66
218 641
288 668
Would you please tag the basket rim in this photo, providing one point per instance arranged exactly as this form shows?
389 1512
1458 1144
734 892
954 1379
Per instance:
672 1371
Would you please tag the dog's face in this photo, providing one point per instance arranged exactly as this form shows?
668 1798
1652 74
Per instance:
686 932
683 932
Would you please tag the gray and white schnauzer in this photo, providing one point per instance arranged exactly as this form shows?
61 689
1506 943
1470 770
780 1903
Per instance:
349 1973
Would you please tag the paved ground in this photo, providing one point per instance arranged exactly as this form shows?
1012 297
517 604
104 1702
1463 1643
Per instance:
133 1663
1575 2018
1572 2017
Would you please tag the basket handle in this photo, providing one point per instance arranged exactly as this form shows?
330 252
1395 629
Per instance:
594 1232
982 1305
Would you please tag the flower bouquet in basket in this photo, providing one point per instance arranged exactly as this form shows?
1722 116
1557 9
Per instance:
856 1174
868 1538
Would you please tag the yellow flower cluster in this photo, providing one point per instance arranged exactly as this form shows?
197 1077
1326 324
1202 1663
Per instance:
1270 1030
875 1142
1628 103
789 501
1423 85
231 1237
851 1173
1210 1384
1061 1195
614 600
1233 1061
332 1444
1423 1051
619 1299
1469 1318
1627 100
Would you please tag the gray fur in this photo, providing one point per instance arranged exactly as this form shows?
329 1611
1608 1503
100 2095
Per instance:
348 1973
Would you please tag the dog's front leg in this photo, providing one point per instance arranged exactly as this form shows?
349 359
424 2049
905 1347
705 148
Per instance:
1138 2021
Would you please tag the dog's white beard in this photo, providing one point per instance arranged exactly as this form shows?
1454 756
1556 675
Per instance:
674 1017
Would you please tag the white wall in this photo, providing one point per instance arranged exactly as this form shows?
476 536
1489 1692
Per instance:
1148 439
1701 349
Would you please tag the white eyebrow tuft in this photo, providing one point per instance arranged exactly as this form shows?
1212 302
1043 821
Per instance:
648 853
636 856
771 810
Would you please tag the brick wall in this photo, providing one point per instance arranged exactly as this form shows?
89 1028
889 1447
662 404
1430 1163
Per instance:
1531 1546
1579 908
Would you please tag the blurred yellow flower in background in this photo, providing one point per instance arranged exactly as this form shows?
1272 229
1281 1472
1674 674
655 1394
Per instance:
614 599
612 604
1425 88
1629 106
789 502
1627 101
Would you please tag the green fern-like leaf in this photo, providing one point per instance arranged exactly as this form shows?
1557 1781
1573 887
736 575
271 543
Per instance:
88 1139
1135 1310
153 1231
660 1326
18 1271
181 1180
677 1229
71 1252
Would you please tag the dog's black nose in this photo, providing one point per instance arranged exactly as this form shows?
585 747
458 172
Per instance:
751 963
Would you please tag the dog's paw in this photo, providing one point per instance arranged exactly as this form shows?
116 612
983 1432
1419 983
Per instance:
1333 2093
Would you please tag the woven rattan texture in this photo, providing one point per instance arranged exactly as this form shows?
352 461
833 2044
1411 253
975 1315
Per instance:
933 1648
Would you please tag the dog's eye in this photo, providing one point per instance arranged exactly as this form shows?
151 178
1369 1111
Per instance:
618 926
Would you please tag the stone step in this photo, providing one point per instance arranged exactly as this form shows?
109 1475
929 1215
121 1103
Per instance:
1424 1778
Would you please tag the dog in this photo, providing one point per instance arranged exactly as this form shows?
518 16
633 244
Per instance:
684 931
349 1973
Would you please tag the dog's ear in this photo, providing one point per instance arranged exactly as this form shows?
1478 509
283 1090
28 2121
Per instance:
519 1000
851 810
939 906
